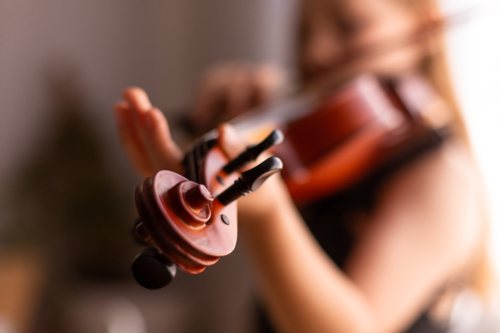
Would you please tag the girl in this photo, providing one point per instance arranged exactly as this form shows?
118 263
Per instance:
388 260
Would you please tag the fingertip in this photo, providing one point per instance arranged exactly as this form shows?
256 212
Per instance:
153 118
230 141
137 98
155 113
227 131
132 90
120 106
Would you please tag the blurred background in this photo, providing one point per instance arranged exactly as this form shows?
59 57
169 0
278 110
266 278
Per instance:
66 186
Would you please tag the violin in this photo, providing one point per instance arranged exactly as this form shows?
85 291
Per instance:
330 142
336 139
335 136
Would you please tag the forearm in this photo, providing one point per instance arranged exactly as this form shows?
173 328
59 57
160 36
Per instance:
302 288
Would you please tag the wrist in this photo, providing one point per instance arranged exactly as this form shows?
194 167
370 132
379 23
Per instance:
274 205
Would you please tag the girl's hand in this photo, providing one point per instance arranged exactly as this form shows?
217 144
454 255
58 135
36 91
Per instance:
145 134
231 89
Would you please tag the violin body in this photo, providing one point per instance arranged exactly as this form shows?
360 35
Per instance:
355 130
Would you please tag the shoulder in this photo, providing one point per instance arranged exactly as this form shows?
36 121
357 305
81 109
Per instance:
441 196
448 174
426 230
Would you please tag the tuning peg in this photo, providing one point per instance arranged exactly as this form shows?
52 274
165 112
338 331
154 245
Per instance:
152 269
250 180
139 233
252 152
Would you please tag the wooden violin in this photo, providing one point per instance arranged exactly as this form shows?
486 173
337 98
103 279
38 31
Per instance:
335 139
342 137
192 219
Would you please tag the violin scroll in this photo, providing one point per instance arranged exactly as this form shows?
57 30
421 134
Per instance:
192 222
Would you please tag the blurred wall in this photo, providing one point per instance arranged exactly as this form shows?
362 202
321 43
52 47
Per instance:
105 46
159 45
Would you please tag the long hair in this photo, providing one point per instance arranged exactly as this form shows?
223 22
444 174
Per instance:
435 65
435 68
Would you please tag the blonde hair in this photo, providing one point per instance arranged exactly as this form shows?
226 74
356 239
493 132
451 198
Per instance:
436 69
435 66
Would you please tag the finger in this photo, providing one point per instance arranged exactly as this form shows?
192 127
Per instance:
268 80
239 96
230 141
139 104
131 141
137 99
161 149
271 76
153 132
209 100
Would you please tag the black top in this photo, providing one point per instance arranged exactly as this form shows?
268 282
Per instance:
331 220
